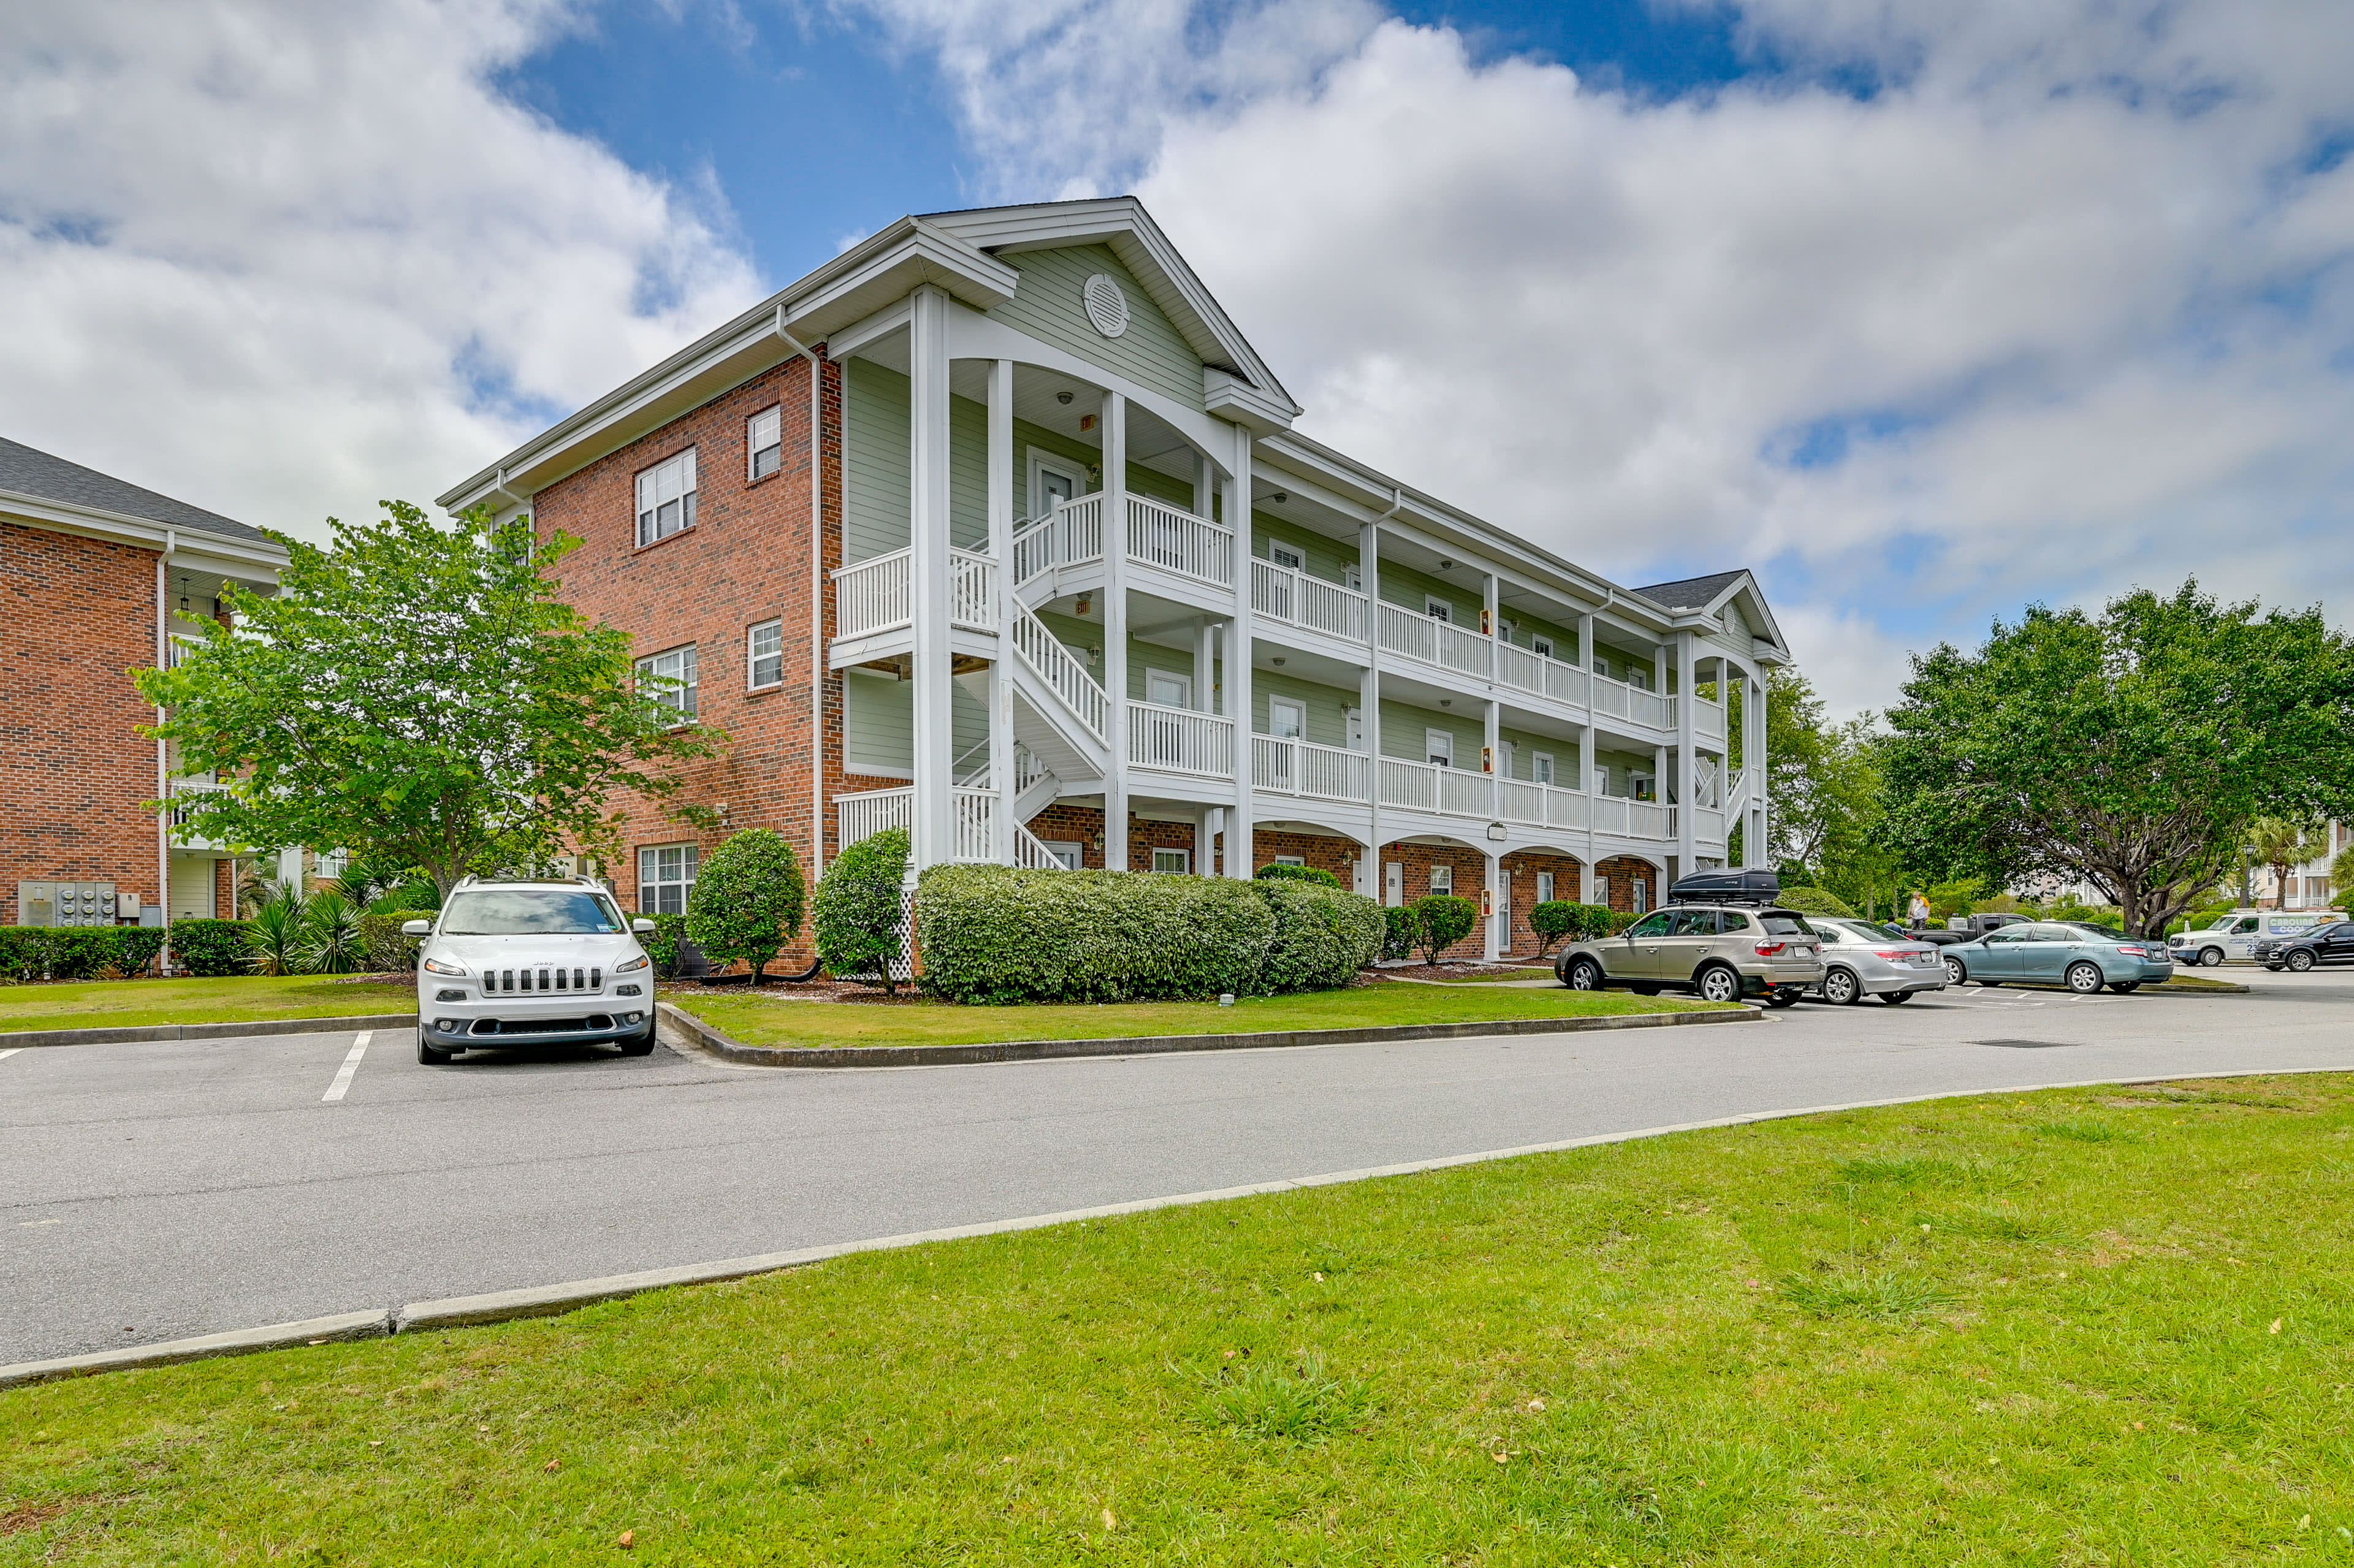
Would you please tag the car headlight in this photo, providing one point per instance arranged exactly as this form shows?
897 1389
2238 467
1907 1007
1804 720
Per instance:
444 967
626 965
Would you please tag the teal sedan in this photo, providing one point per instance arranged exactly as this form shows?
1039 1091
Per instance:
2082 959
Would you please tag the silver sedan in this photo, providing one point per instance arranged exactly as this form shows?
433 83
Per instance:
1861 958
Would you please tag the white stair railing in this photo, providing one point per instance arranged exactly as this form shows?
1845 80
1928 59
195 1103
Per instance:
1044 653
1031 853
872 596
972 590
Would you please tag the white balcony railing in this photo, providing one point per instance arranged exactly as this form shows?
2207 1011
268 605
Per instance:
1435 641
863 815
1616 699
1526 671
1280 593
1179 740
1060 669
1708 824
1540 805
972 590
1287 767
1069 535
1708 719
1177 541
1633 819
872 596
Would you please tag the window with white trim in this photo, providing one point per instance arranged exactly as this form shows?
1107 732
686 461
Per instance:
1285 556
1438 748
1544 887
666 498
1177 861
666 878
1069 851
1642 891
1437 608
1540 645
764 443
764 655
1291 860
1602 891
1170 690
1541 766
1442 880
1285 719
669 677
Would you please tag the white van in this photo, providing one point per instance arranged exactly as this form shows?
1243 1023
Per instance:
2236 935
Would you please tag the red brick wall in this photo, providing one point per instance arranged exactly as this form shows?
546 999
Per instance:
1525 865
1470 881
1624 871
746 560
1319 849
73 766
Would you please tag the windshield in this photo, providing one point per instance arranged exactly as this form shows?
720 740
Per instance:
530 913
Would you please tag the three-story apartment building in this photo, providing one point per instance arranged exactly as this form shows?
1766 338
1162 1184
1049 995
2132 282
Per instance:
996 527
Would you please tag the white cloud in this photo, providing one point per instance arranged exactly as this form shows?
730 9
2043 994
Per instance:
2064 305
283 259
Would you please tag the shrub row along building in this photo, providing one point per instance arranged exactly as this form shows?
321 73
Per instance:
995 527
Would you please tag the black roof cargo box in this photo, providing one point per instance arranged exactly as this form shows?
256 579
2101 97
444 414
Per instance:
1727 887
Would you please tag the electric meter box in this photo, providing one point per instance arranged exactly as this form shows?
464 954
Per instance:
65 903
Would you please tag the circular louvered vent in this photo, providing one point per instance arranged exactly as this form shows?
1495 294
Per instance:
1106 305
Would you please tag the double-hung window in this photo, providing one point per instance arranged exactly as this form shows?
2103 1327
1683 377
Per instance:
764 655
665 879
1284 556
666 498
1442 880
669 678
764 443
1177 861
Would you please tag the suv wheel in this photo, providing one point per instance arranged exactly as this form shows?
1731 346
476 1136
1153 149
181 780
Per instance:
1840 987
2085 978
2300 959
1584 974
638 1044
1717 983
427 1055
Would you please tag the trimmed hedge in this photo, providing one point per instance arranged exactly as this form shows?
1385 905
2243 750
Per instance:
1322 935
388 950
1315 873
1562 918
997 934
29 953
1814 901
211 947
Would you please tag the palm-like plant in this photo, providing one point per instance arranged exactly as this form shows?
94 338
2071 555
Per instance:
277 941
2282 844
332 941
356 884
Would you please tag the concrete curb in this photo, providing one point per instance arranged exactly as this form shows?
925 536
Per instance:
237 1343
704 1037
549 1300
143 1032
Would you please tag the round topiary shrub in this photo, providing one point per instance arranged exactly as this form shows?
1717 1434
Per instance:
858 911
1446 921
1321 937
747 901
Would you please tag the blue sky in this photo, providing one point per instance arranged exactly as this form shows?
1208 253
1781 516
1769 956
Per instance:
1924 311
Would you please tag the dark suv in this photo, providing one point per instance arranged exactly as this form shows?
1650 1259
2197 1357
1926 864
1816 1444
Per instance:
2330 944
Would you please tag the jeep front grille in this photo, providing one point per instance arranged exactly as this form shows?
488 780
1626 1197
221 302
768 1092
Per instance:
546 978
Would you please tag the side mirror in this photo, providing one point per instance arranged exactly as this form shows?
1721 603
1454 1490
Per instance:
417 928
641 924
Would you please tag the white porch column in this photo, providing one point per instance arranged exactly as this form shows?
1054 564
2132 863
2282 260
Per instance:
933 839
1241 639
1491 744
1206 669
1753 762
1491 945
1000 548
1115 621
1687 764
1204 849
1369 698
1490 621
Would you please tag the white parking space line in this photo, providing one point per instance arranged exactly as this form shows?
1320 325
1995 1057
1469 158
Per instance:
344 1073
10 1052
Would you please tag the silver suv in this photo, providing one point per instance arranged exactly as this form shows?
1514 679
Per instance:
531 963
1722 953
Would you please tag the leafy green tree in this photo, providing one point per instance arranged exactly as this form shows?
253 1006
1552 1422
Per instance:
748 900
857 913
2341 878
2128 751
418 694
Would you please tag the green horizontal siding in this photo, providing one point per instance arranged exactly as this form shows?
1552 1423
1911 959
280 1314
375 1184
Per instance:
1326 707
878 724
876 501
1320 557
1046 304
1403 725
1404 585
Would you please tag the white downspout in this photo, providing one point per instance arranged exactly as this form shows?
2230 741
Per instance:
817 598
162 775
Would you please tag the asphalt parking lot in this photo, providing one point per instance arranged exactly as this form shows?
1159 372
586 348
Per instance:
155 1191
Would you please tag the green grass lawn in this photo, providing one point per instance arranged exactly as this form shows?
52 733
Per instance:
2105 1326
112 1005
776 1019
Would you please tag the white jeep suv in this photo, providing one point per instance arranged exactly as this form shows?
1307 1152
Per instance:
531 963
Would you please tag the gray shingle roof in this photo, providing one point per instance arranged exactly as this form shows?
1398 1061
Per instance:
25 470
1691 593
